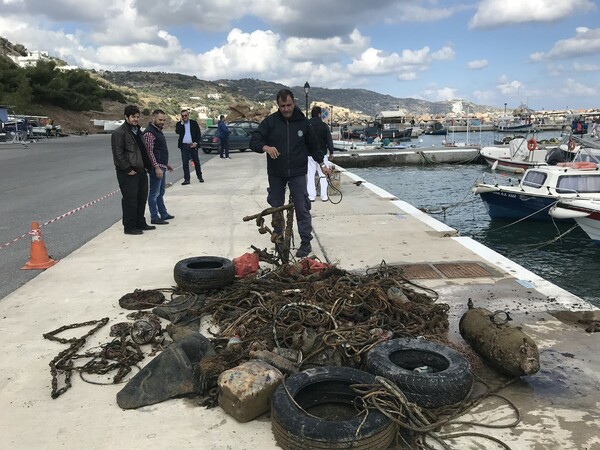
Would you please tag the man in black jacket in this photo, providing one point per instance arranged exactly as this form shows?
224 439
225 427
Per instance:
131 162
287 138
189 139
325 141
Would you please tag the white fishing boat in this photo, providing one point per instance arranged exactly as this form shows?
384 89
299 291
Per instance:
539 190
350 145
522 154
585 212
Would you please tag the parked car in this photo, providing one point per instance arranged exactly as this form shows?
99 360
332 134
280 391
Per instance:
239 139
249 125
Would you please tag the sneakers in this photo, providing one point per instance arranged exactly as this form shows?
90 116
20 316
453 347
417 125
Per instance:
159 222
168 216
304 250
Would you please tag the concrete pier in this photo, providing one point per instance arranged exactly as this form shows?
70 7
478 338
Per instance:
559 405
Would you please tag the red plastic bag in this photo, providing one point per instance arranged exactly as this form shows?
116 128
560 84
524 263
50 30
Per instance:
313 266
246 264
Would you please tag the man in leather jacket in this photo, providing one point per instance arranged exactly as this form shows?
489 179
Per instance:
131 163
287 138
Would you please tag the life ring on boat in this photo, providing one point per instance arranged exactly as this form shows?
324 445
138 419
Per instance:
579 165
531 144
571 145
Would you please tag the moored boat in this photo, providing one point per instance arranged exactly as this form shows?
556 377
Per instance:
522 154
539 190
585 212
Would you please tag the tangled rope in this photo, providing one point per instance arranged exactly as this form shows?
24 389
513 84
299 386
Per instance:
418 425
331 318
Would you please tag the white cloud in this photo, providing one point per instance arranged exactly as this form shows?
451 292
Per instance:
586 67
484 96
507 87
496 13
406 64
437 94
585 42
477 64
572 87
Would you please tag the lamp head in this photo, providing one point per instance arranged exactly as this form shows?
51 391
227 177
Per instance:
306 88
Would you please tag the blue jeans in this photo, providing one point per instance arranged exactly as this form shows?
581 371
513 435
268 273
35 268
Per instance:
156 203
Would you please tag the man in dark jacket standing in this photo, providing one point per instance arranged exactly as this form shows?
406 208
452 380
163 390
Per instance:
189 139
325 141
131 162
223 132
287 138
158 152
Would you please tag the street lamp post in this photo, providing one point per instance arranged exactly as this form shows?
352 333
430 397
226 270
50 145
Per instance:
505 108
306 89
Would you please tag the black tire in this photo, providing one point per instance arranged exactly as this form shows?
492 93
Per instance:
203 273
242 150
450 381
206 150
319 412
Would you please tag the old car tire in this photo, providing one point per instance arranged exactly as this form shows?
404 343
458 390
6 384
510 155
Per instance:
206 150
203 273
315 409
446 377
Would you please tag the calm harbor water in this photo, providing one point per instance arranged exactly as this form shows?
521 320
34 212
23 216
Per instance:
571 262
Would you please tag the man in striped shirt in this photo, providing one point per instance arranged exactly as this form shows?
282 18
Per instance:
156 145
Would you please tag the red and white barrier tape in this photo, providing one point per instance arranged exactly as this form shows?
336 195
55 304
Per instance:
62 216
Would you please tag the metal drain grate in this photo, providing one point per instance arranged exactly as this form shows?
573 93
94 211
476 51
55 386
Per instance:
444 270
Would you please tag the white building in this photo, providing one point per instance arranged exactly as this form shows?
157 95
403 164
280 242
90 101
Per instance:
31 59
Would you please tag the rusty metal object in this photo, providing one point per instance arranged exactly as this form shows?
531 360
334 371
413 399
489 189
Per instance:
505 347
141 299
144 330
281 240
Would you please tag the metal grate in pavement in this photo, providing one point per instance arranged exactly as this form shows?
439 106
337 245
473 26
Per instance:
444 270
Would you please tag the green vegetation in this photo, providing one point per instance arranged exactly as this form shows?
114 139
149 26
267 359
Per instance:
44 84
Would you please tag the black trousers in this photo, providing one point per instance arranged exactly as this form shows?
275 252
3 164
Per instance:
186 153
134 189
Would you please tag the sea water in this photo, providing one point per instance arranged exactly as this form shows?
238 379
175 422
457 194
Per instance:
570 261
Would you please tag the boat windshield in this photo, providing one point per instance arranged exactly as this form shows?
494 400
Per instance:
571 184
534 179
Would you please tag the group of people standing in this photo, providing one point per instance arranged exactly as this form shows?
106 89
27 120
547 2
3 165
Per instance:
296 149
141 161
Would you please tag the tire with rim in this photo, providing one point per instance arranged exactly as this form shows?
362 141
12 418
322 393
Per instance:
203 273
316 409
206 150
444 376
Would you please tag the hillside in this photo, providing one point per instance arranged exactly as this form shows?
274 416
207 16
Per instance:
168 89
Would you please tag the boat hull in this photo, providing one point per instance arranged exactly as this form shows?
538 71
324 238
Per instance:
511 166
502 205
585 213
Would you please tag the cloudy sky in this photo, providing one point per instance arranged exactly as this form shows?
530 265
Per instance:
544 53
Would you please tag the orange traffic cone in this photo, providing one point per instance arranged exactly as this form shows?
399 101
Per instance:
38 256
